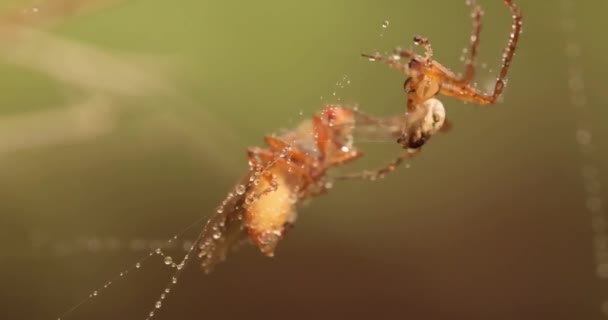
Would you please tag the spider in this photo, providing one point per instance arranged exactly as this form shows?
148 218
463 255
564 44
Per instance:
427 78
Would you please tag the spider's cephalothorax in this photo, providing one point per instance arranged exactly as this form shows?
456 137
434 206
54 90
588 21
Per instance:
427 78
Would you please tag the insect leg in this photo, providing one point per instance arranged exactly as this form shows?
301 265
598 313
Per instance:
375 174
391 61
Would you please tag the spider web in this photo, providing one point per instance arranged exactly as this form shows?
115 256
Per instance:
585 137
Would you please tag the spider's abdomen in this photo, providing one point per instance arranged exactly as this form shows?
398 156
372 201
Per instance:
422 123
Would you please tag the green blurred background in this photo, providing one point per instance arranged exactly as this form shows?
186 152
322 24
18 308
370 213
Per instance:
489 222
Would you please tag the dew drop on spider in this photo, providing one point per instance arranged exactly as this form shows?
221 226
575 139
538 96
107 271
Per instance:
158 304
168 260
138 265
220 209
293 198
240 189
385 24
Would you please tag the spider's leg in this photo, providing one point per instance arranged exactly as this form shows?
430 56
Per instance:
391 62
426 44
509 51
462 91
470 63
374 174
467 94
442 74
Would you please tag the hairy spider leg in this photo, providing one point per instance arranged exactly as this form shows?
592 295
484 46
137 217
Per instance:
470 63
381 172
445 75
459 88
392 62
426 44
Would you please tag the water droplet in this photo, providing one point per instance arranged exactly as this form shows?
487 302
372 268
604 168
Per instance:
168 260
385 24
329 185
151 313
163 296
345 149
220 209
240 189
137 265
94 293
249 200
583 137
158 251
158 304
174 280
217 235
167 290
293 198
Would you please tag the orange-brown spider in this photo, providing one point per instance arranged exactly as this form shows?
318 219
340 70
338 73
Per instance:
427 77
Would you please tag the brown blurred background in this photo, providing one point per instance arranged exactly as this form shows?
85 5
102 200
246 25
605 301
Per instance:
121 124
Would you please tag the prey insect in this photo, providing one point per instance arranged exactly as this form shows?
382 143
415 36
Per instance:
427 78
295 166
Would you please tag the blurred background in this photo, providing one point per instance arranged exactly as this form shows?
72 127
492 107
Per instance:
122 122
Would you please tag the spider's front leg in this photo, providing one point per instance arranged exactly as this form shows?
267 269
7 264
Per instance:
459 88
392 61
442 74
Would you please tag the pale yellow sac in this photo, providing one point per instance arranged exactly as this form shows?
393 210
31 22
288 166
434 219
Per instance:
271 216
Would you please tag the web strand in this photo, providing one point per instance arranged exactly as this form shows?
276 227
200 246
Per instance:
584 137
137 265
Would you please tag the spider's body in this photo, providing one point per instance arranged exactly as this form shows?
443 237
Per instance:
428 78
